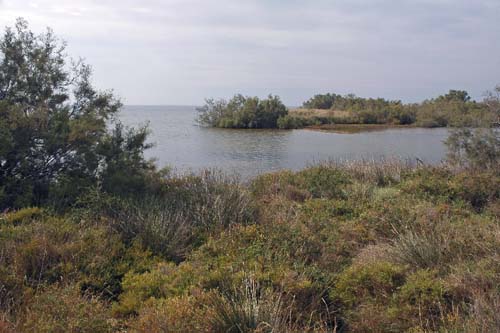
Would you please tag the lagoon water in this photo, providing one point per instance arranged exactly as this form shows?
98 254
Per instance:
183 145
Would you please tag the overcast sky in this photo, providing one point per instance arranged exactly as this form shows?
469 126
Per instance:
181 51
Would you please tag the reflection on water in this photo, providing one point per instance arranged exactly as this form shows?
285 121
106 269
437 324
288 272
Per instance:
185 146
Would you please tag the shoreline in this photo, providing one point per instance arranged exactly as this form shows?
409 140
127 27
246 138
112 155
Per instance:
356 128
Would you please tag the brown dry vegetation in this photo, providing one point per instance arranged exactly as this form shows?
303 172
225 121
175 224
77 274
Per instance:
311 113
355 128
338 247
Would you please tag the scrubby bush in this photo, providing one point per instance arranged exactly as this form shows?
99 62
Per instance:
423 301
479 148
66 310
173 315
291 122
242 112
320 181
248 308
139 287
51 250
179 216
321 101
376 282
22 215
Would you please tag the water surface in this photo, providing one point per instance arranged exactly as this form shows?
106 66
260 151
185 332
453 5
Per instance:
180 143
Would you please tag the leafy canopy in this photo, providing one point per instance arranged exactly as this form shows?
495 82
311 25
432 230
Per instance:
242 112
54 125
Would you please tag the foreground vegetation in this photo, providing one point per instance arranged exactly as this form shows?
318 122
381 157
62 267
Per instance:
336 112
385 247
94 239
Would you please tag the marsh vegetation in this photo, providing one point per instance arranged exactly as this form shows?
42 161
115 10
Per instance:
333 111
93 238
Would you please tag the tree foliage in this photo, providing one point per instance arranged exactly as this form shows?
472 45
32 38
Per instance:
242 112
54 125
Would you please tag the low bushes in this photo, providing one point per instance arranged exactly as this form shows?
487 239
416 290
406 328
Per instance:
242 112
334 247
65 309
175 314
173 222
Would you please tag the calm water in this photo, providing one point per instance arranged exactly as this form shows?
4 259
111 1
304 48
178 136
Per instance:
180 143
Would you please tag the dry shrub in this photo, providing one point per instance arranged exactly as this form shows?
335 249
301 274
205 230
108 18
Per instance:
177 314
372 254
493 208
191 208
442 236
420 249
370 318
65 310
380 172
485 314
23 215
5 325
248 308
277 209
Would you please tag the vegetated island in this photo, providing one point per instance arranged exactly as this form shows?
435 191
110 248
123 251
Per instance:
350 113
93 238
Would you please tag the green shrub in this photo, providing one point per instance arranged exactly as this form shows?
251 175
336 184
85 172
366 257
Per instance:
319 213
23 215
318 182
376 282
423 301
341 246
178 219
242 112
291 122
161 280
65 310
324 182
429 183
54 249
138 288
478 189
271 252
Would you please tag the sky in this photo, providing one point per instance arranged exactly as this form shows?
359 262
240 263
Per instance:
183 51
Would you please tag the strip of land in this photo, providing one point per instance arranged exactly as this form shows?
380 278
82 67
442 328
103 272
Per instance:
356 128
344 128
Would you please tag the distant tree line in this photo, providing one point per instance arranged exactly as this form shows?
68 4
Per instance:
456 108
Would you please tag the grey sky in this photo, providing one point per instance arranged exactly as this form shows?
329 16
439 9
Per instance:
181 51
